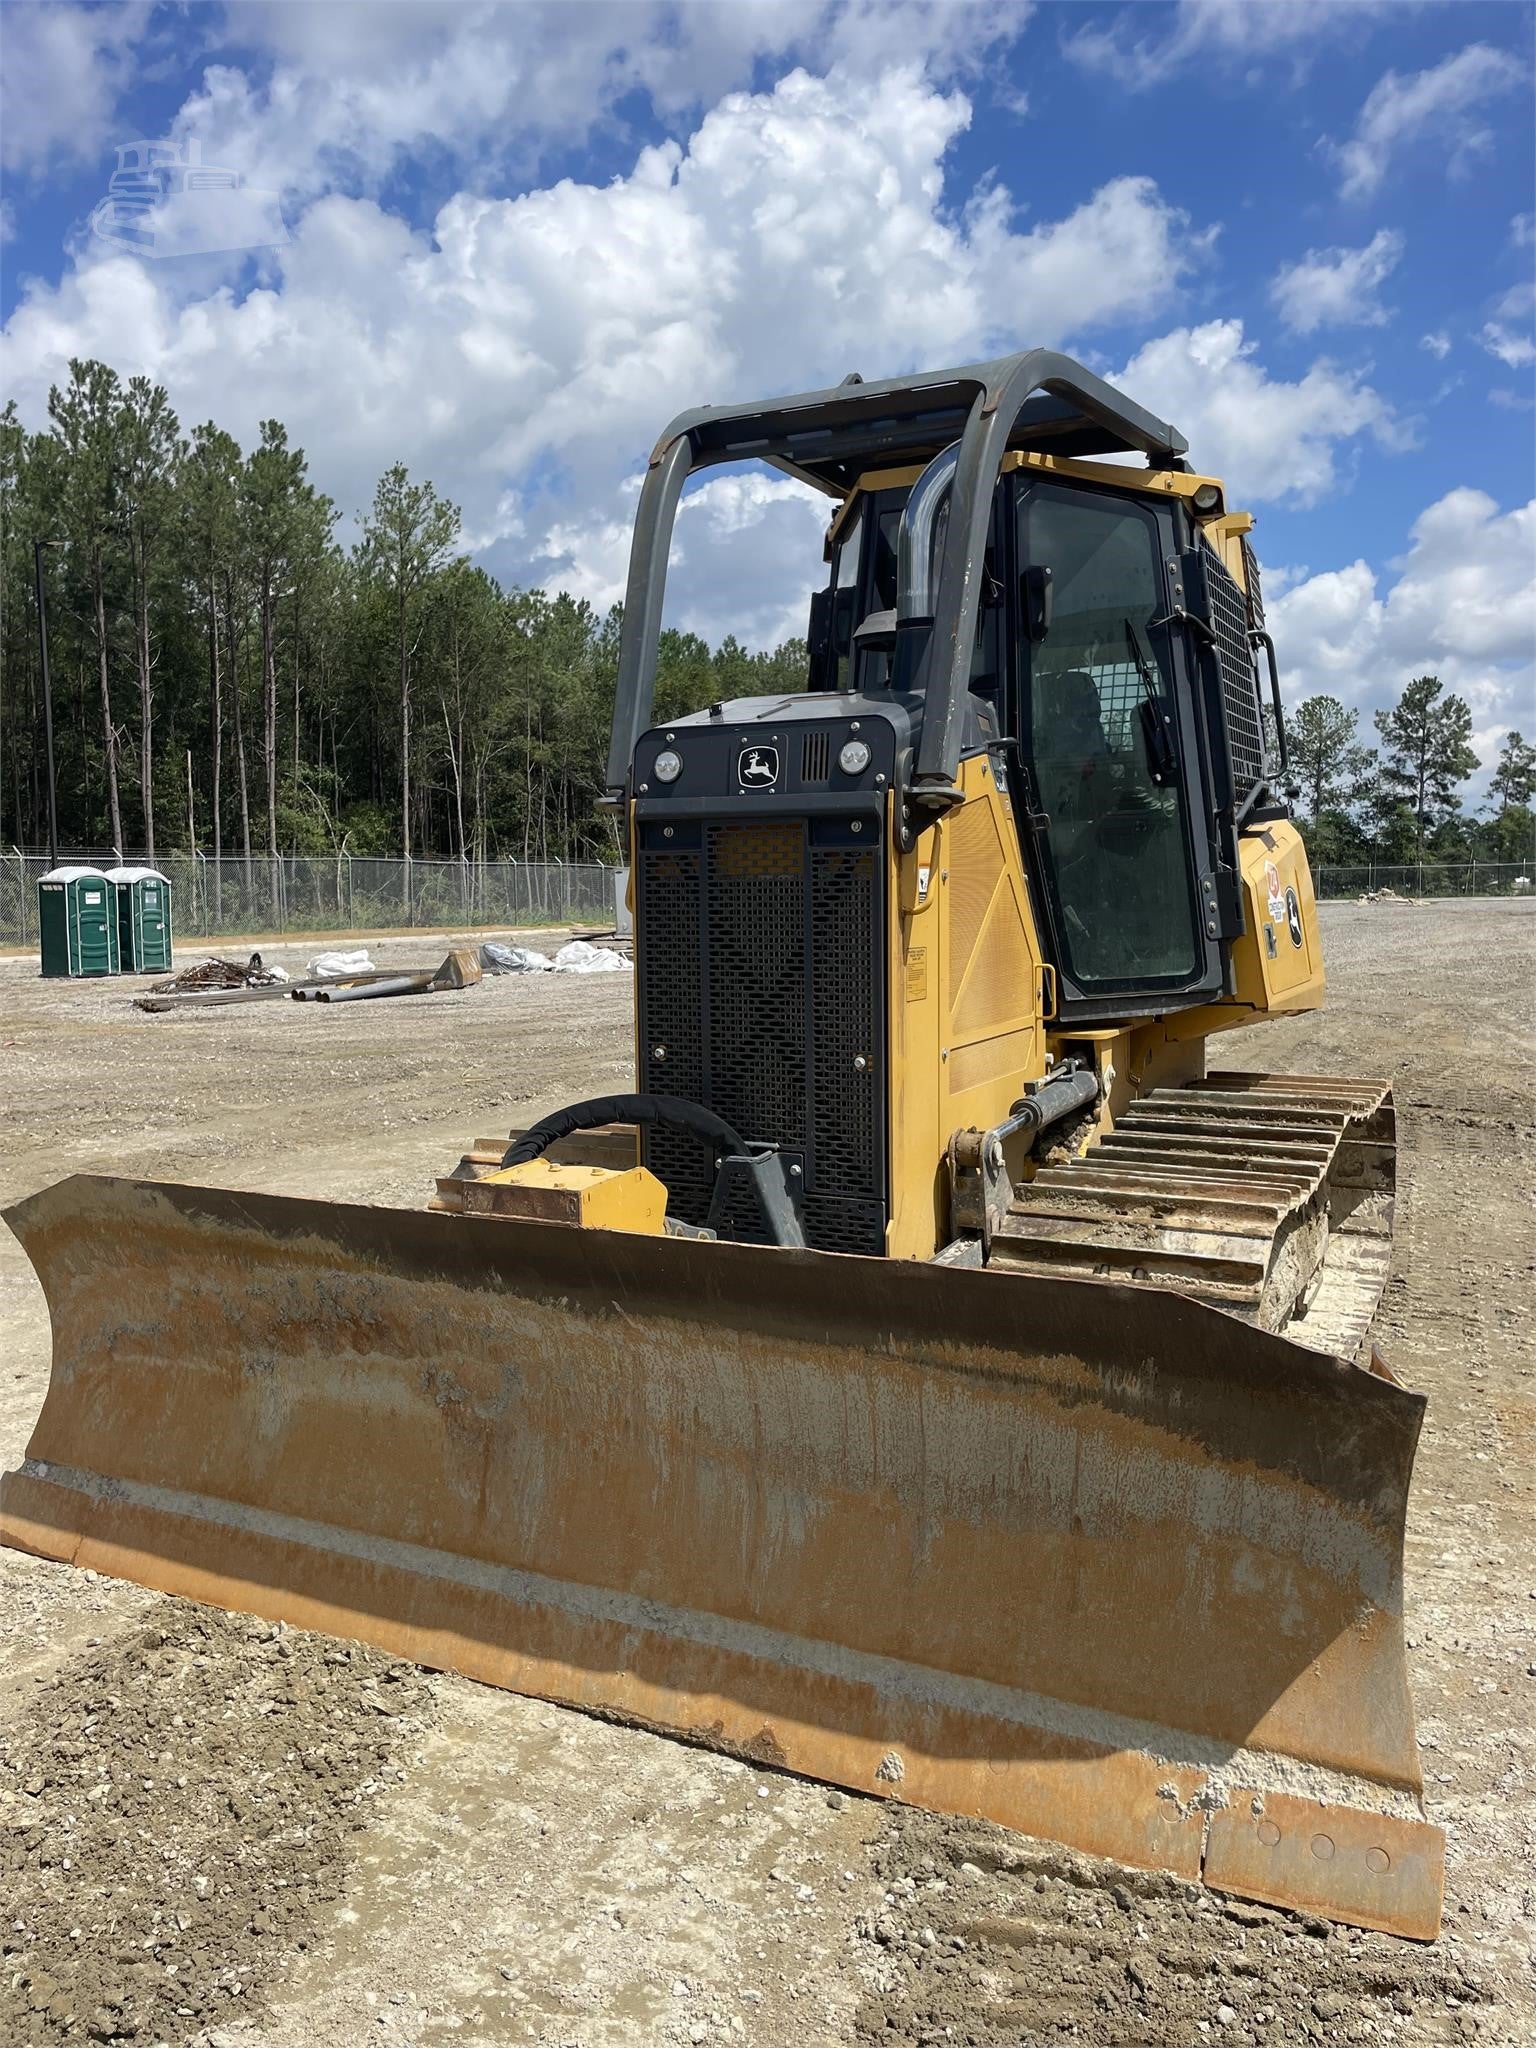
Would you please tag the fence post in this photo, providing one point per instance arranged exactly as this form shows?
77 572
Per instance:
21 892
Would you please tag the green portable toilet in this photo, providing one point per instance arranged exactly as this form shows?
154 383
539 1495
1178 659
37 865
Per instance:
143 919
77 918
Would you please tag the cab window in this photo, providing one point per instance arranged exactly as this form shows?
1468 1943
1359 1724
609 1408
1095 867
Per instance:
1098 732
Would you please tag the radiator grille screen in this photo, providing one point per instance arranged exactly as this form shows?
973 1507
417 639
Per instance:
1255 586
761 996
1239 684
757 980
845 1098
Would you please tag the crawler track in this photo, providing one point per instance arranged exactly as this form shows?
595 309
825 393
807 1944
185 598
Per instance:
1266 1195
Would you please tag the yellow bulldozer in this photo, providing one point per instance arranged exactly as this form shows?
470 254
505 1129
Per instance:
932 1378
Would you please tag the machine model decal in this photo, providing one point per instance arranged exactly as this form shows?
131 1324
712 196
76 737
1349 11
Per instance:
757 767
1293 916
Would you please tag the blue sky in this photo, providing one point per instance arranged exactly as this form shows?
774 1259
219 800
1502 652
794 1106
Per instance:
517 238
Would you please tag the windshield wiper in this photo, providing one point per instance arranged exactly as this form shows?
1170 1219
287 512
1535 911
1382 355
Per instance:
1156 725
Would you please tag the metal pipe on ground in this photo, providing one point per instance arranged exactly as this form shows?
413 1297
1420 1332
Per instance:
361 991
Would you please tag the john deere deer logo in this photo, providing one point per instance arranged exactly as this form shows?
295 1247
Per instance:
757 767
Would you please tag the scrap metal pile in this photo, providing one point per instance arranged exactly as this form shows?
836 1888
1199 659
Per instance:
221 974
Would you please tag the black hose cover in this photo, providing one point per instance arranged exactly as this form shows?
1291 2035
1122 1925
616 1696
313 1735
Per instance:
672 1111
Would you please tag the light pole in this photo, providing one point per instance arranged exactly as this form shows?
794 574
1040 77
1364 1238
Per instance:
42 648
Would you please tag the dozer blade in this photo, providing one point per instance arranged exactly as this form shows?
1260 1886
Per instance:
1110 1568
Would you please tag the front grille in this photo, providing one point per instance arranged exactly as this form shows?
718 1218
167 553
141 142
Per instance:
815 757
757 979
1239 684
844 894
758 958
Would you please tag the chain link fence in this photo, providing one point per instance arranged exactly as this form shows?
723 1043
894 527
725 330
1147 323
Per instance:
301 894
1432 878
307 894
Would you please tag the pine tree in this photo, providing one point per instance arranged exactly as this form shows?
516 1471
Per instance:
150 453
1427 753
1514 780
85 415
407 538
210 483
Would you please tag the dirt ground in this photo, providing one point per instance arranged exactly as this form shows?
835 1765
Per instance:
217 1832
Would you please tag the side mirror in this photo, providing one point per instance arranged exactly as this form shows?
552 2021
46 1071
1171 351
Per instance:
1035 600
877 630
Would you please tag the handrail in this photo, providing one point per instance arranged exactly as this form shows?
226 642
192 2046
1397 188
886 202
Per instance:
1262 639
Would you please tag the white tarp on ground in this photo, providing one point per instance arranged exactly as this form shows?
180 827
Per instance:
580 958
341 963
498 959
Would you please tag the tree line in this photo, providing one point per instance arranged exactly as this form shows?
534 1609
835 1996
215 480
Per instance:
229 676
1400 802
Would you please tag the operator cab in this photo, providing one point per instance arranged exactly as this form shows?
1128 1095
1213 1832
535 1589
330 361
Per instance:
1085 689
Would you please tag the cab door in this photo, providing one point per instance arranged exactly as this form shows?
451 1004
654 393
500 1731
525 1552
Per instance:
1112 803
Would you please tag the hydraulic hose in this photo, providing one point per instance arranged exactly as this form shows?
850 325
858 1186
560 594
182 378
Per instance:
673 1112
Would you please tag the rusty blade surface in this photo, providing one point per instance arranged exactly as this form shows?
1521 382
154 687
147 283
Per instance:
1097 1564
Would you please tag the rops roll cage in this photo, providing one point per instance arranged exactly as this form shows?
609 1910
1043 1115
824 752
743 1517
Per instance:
1037 400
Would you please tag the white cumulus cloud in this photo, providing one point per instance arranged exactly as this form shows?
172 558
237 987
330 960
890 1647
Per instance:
526 353
1515 351
61 71
1205 31
1462 606
345 91
1337 287
1438 102
746 555
1268 438
1508 334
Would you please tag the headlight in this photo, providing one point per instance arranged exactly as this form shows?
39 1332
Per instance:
854 758
668 766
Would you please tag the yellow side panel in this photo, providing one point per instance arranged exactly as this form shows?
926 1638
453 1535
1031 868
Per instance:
1277 964
966 1030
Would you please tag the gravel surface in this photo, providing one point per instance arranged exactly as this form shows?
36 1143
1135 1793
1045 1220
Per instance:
465 1866
992 1940
178 1808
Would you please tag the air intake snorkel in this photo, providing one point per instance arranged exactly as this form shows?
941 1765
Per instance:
919 549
